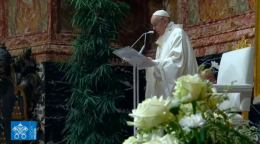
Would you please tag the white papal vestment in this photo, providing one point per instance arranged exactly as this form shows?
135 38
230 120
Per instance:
175 58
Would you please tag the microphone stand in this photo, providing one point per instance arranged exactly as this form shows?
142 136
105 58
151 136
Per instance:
136 76
142 49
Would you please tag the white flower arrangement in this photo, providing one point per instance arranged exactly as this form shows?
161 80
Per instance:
190 116
192 121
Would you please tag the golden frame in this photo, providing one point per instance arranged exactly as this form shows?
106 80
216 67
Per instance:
257 51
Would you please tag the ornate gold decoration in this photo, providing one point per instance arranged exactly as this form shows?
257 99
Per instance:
257 51
21 89
16 115
241 44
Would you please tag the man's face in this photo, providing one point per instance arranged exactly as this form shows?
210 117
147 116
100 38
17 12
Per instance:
159 24
209 75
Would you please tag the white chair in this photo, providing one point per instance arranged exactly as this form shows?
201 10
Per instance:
237 66
256 100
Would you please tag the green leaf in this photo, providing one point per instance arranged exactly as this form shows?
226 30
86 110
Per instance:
173 125
201 68
202 134
194 107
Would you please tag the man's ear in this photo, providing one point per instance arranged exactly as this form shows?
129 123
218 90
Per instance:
165 23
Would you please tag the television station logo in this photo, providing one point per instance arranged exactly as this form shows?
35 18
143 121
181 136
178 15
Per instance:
23 130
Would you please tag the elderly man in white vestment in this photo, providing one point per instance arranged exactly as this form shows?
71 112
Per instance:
174 55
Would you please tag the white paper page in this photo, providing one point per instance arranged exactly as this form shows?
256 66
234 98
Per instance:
131 56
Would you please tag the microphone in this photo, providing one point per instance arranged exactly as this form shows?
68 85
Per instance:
149 32
142 49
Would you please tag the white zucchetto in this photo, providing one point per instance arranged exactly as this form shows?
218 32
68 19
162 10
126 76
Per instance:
161 13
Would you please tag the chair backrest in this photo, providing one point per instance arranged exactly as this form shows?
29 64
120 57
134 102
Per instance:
237 66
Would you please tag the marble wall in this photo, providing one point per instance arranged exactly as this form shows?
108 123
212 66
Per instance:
46 26
2 19
214 26
39 24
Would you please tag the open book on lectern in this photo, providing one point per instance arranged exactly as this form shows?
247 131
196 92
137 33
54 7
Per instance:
134 58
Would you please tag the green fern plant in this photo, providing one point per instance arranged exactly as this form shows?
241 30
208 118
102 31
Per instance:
92 117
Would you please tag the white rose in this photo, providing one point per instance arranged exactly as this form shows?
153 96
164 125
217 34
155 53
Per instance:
189 88
186 108
167 139
172 103
151 113
130 140
144 137
147 137
153 142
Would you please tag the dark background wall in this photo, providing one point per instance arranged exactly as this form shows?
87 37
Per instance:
57 91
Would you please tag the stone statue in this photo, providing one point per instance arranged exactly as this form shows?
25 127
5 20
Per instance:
19 90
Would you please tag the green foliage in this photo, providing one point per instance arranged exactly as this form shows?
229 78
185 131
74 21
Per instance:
221 133
92 117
